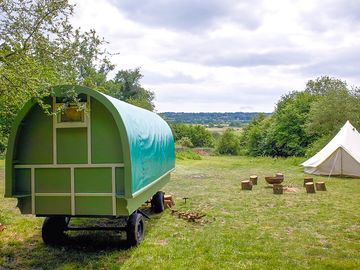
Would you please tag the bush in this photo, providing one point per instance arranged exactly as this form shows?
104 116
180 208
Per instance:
229 143
185 142
198 135
188 154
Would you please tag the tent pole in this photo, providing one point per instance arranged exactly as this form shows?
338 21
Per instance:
341 164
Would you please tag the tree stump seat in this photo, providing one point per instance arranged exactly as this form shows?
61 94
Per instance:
246 185
320 186
278 189
310 187
253 179
308 180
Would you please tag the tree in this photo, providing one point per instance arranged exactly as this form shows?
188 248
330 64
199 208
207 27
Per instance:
287 132
330 111
39 48
198 135
229 143
324 84
126 86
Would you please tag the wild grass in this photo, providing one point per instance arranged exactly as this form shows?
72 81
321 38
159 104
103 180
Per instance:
241 230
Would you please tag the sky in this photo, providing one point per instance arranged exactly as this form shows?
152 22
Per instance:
227 55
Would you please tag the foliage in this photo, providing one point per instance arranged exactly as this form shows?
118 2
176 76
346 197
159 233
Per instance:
187 154
185 142
198 135
40 48
301 118
286 134
229 143
252 139
331 110
126 86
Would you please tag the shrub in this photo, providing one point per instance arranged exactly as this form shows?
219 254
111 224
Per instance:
188 154
229 143
198 135
185 142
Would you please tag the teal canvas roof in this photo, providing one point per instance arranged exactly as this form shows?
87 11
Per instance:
151 143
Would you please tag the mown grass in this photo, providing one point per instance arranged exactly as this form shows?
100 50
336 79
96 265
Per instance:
241 230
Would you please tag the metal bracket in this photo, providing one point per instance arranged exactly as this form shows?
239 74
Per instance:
142 212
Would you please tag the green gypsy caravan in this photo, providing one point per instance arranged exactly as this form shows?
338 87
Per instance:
104 159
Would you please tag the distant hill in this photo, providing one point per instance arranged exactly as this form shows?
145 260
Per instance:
210 118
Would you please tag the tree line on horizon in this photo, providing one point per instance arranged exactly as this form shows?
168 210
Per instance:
210 119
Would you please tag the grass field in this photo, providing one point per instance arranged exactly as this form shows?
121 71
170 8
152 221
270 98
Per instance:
221 130
241 230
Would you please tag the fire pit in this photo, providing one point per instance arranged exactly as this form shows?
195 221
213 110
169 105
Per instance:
274 179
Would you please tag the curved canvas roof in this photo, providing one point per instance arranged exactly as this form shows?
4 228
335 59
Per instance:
341 152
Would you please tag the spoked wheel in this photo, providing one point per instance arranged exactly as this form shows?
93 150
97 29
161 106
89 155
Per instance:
135 229
53 230
157 202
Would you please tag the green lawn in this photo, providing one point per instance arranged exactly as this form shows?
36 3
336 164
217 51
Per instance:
241 230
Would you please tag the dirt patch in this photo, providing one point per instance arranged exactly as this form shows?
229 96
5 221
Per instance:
202 152
198 176
291 189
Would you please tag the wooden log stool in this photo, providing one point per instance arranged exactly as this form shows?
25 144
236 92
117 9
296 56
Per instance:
278 189
168 201
253 179
308 180
280 175
246 185
310 187
320 186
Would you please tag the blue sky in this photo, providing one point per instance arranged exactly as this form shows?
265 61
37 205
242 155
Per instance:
227 55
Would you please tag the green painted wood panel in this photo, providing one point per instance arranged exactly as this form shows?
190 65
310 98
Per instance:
34 139
93 205
22 181
105 138
120 181
93 180
71 145
52 180
55 205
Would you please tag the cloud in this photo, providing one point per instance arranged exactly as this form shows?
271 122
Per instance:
273 58
326 16
189 15
340 63
227 55
177 78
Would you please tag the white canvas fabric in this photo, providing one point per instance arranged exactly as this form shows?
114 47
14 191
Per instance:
341 156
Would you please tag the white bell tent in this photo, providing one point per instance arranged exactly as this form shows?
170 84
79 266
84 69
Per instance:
341 156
